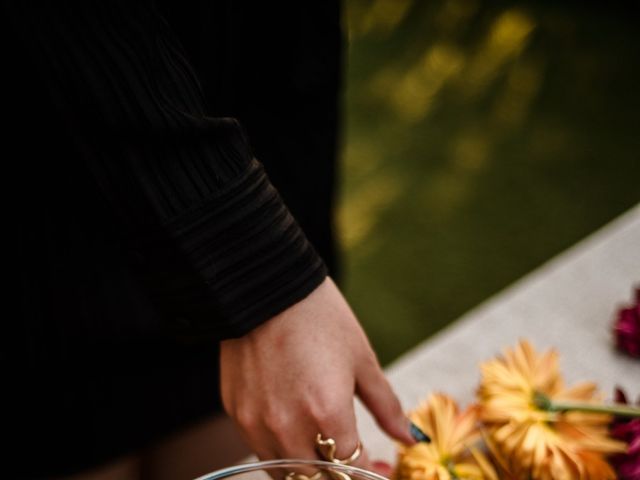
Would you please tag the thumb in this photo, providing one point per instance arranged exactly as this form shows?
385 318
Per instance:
376 393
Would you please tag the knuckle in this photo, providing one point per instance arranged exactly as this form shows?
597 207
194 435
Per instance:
325 411
246 417
277 422
332 417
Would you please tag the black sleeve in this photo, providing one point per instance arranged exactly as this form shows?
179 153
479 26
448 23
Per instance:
219 247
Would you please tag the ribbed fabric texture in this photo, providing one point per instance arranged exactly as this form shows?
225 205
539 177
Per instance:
253 256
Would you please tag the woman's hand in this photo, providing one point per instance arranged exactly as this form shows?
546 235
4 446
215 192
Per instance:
296 375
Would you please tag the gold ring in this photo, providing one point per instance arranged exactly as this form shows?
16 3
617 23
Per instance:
327 448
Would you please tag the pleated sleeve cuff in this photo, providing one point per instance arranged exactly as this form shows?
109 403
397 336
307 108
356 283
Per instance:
248 259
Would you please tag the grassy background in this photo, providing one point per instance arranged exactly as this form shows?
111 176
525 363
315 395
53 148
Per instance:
480 139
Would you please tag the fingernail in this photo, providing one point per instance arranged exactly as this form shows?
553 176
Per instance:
417 434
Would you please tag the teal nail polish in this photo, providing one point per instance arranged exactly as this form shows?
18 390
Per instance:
418 435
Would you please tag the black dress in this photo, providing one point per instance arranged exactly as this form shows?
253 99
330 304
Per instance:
148 232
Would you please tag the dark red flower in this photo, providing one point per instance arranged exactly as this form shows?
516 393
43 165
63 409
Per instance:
627 328
628 430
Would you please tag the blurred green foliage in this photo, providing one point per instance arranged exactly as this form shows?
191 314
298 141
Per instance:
481 139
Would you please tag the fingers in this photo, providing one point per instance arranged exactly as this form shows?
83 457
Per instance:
333 418
376 393
294 377
364 461
262 442
254 433
343 429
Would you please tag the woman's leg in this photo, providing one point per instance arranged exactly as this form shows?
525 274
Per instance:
207 446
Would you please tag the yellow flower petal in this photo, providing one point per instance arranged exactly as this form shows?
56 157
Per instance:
529 441
452 432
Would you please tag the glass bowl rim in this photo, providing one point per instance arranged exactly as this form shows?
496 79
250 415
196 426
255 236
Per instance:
285 462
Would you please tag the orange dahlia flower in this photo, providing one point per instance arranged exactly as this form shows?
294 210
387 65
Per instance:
535 442
451 454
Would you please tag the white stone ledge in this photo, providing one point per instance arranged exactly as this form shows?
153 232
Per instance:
568 303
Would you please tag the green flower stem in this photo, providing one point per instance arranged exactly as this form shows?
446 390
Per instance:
619 410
